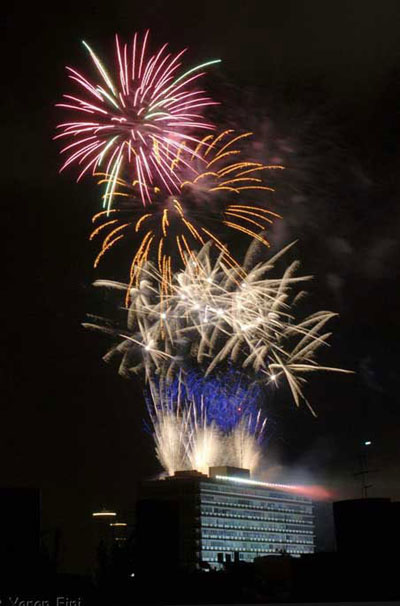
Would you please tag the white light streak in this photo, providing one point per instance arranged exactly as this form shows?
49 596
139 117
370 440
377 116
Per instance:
237 480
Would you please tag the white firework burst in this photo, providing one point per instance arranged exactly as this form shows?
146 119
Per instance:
213 314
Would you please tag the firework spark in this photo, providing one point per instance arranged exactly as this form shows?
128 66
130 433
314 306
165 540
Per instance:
229 394
186 438
217 187
216 314
243 442
136 122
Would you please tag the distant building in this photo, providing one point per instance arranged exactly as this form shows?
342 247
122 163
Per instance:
108 529
191 520
110 538
369 525
101 528
325 540
20 512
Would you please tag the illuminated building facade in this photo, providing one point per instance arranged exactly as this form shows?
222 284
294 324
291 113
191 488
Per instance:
191 519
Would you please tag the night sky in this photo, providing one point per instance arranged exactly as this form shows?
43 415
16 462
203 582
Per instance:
319 84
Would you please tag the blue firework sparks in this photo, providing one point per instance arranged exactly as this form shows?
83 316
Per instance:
227 396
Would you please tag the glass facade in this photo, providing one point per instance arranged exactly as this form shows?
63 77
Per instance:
252 521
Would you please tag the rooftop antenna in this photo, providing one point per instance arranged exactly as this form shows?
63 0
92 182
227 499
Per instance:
364 470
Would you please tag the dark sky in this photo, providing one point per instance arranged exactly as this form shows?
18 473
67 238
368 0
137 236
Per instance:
323 79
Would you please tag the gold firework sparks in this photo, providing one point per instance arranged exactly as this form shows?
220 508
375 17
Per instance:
215 182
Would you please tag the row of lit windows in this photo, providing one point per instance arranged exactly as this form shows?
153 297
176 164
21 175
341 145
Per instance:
260 549
244 490
249 557
238 498
238 546
255 537
267 506
240 529
232 512
293 526
255 532
296 518
247 514
207 521
256 504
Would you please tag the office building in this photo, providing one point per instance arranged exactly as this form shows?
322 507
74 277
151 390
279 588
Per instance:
191 520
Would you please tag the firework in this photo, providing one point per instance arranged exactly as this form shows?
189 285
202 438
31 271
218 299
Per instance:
216 315
209 336
244 441
136 121
229 394
217 188
186 438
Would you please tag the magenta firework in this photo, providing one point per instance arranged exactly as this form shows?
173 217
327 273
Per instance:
135 121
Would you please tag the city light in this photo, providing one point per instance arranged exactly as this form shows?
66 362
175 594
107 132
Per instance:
101 514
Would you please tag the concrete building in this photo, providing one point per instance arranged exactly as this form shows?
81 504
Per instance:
192 520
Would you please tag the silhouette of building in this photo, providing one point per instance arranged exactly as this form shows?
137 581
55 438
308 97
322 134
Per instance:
364 567
20 529
325 540
109 536
364 525
102 529
192 520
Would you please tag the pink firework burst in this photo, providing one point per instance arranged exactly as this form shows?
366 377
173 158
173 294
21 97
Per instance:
137 125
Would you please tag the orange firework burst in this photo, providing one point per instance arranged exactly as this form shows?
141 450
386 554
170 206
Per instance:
214 188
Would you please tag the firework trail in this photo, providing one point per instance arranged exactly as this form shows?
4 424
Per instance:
217 188
243 443
136 120
229 394
207 334
185 437
216 315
